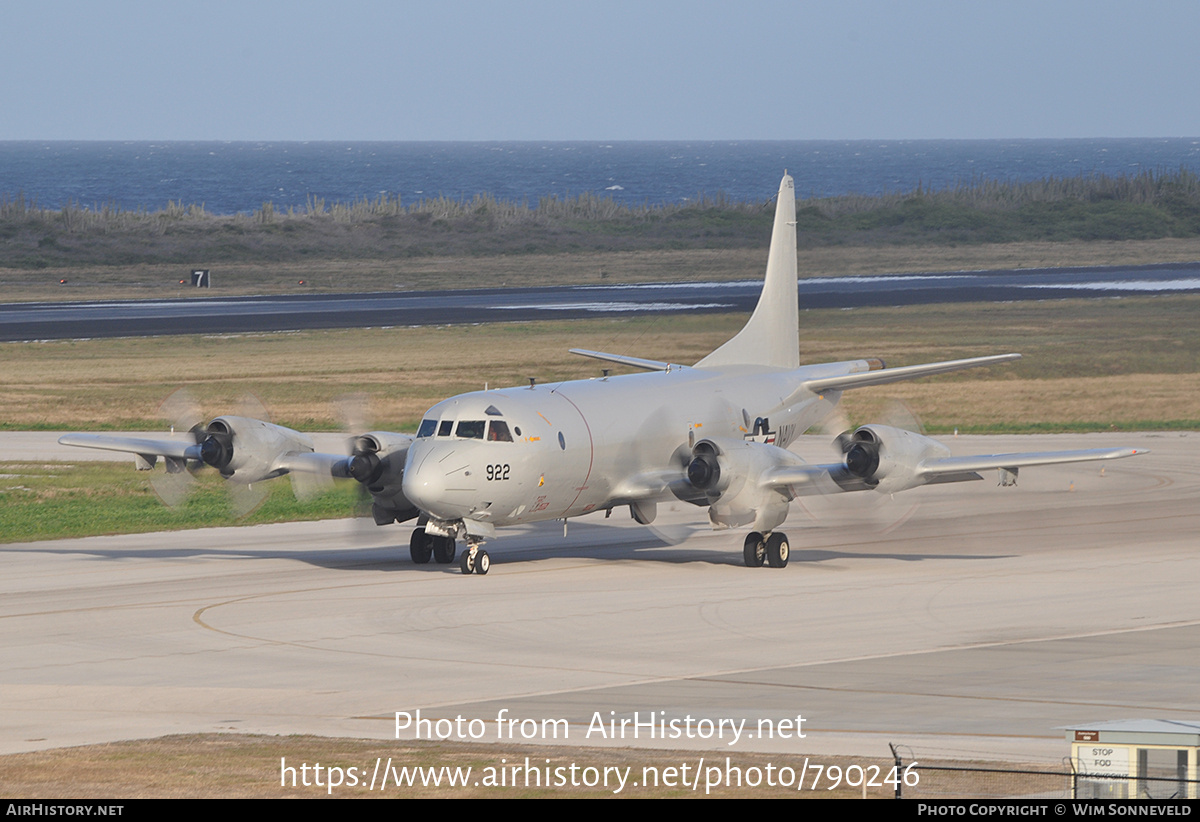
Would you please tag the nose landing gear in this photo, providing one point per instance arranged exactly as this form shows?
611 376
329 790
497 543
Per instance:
475 560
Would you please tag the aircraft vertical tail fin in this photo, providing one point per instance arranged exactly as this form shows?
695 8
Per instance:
771 337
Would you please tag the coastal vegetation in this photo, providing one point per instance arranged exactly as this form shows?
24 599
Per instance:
1145 206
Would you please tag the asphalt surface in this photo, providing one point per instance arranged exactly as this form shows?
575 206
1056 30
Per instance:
226 315
965 620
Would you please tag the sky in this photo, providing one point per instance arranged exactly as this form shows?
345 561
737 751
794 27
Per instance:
597 70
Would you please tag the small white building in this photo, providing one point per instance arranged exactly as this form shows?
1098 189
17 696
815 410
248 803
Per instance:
1136 759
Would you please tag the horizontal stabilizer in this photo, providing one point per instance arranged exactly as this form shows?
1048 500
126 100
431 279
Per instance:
908 372
633 362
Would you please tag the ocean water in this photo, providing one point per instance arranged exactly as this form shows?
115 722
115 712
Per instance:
231 177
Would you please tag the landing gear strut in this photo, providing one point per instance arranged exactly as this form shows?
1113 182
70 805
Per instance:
772 549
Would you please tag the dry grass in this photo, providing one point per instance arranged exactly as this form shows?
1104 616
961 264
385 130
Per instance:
1045 254
233 766
120 383
1137 401
1093 362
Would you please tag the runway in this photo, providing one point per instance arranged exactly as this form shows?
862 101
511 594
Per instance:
956 618
208 314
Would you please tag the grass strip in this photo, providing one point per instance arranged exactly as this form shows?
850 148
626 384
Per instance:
41 501
234 766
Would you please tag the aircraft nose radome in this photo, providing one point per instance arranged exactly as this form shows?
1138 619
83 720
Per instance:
427 485
422 483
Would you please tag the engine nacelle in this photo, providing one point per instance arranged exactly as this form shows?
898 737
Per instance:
377 461
887 458
249 450
724 474
377 458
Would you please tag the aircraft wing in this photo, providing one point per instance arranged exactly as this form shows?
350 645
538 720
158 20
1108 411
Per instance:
179 448
815 480
316 463
950 465
797 476
251 449
804 480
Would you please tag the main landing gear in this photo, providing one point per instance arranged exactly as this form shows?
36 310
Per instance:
770 548
424 546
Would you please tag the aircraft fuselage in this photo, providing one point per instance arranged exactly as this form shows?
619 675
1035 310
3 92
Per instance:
567 449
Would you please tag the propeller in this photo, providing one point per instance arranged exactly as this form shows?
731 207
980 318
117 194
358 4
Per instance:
675 529
214 448
879 512
362 464
217 450
175 484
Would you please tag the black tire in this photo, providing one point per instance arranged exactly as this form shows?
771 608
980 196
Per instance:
482 562
420 546
778 550
754 551
467 563
444 549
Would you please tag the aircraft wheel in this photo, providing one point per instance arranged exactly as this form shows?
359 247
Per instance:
482 562
754 551
777 550
467 563
420 546
444 549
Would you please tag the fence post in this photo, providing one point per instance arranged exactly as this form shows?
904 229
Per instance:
899 771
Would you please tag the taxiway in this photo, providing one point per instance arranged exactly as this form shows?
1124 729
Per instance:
958 618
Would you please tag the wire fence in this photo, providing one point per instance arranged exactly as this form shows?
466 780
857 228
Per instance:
942 779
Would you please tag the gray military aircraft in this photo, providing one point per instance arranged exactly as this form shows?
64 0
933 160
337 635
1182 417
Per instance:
714 434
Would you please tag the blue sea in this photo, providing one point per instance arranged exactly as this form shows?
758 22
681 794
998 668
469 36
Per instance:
231 177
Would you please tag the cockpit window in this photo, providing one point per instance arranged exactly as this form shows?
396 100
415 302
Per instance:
445 428
492 411
470 429
498 432
427 428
